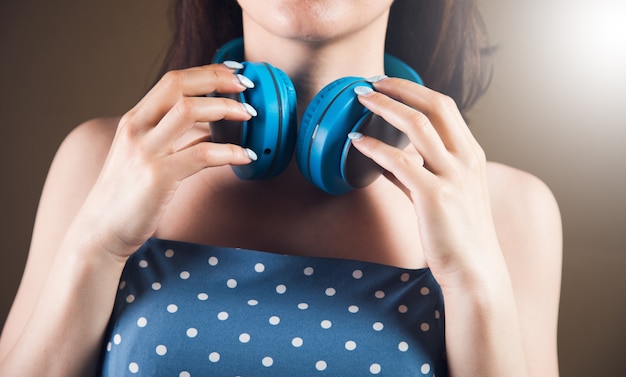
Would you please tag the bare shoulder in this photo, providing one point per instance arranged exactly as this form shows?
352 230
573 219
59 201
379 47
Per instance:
525 210
78 161
75 168
527 220
528 224
93 137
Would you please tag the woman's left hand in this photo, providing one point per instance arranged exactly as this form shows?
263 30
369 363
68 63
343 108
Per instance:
443 173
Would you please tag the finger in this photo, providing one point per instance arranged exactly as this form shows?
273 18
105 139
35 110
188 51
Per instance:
407 167
195 158
174 85
392 178
413 123
198 133
188 111
439 108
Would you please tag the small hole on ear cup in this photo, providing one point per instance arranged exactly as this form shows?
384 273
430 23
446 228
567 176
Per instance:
267 151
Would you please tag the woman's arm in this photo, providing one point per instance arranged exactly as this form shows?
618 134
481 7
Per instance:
72 173
530 234
446 176
105 193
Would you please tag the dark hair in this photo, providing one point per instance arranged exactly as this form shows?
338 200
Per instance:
443 40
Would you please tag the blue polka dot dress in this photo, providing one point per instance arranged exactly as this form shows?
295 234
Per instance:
186 310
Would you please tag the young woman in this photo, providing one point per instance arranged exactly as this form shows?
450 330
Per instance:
143 216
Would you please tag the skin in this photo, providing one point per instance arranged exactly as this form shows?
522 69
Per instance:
490 234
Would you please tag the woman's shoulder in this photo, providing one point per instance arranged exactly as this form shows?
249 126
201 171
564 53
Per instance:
517 192
523 205
76 166
95 133
87 145
528 223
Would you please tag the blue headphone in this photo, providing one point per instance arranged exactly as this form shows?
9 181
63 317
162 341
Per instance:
323 150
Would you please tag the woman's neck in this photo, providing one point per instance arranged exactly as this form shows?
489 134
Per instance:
312 64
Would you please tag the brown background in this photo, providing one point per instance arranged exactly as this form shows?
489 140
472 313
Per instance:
557 108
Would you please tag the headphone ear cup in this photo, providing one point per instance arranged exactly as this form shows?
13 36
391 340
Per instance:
332 114
272 133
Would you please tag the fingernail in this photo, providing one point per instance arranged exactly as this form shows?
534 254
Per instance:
251 154
245 81
233 64
251 110
363 90
355 135
378 78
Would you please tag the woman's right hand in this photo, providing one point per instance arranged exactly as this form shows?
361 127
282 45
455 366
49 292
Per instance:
146 163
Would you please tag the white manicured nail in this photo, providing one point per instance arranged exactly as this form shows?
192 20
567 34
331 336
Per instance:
245 81
251 154
363 90
251 110
378 78
233 64
355 135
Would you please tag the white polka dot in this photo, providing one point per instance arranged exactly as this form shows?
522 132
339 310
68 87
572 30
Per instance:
117 339
169 253
203 296
297 342
122 284
330 292
142 322
375 368
353 309
405 277
424 327
214 357
425 369
303 306
161 350
437 314
213 261
130 299
143 263
281 289
403 346
403 309
267 361
244 338
172 308
222 316
253 302
192 332
350 345
109 346
185 275
424 291
379 294
133 368
259 267
378 326
326 324
184 374
274 320
308 271
321 365
156 286
231 283
357 274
